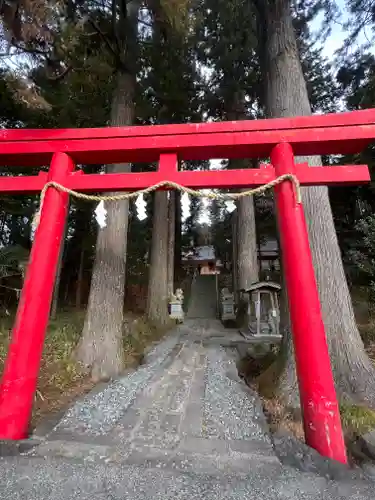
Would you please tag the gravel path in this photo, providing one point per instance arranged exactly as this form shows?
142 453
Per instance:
97 413
63 480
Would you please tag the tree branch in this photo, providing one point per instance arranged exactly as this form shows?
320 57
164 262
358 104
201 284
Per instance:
259 5
29 50
62 75
145 23
103 37
114 24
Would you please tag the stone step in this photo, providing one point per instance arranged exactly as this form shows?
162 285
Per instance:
203 298
190 455
197 462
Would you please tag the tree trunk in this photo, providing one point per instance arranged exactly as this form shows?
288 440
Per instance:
177 236
286 95
80 279
100 348
157 302
171 241
161 275
2 223
235 279
56 289
246 243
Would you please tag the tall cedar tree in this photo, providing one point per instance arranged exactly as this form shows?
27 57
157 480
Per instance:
286 95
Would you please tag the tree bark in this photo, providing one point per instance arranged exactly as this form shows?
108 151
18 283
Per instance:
80 279
177 236
56 289
171 241
100 348
157 302
235 279
286 95
161 275
246 241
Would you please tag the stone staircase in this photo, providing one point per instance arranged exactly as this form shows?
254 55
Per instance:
203 298
193 414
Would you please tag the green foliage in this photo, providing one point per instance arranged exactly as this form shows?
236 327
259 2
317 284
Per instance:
177 13
137 251
12 112
364 256
356 78
227 45
361 19
170 87
321 86
59 371
62 338
139 335
353 206
221 229
191 225
367 331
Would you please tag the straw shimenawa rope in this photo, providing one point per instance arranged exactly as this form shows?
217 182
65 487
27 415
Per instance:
170 184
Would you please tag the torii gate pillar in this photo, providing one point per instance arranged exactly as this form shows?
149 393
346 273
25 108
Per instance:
321 415
21 369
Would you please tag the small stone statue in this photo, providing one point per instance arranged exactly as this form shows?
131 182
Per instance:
175 306
179 295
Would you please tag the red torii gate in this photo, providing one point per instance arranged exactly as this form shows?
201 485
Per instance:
280 139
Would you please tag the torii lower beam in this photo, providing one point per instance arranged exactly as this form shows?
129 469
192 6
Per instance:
215 179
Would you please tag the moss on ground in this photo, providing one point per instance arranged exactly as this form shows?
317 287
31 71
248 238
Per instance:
139 335
356 419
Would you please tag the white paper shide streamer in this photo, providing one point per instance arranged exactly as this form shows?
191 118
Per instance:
141 207
101 215
230 206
